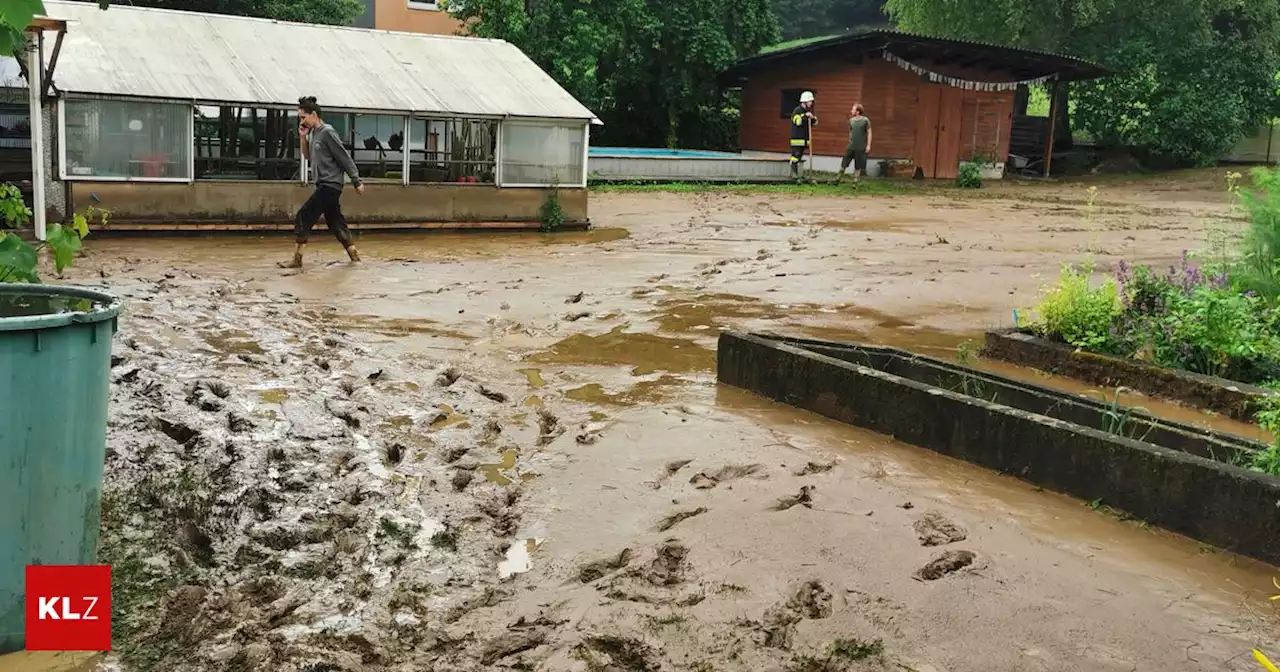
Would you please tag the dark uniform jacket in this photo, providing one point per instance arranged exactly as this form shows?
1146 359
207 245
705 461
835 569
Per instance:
800 126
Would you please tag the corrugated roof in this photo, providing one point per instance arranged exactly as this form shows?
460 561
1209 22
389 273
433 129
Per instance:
1026 62
156 53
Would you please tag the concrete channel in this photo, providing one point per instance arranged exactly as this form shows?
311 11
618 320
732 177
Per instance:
1177 476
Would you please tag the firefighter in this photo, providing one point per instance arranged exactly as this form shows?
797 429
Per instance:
802 123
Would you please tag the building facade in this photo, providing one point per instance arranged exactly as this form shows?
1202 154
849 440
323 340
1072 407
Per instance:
932 103
198 128
409 16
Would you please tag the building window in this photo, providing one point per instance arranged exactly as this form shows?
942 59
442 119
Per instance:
452 150
790 100
115 139
245 143
375 141
542 154
418 4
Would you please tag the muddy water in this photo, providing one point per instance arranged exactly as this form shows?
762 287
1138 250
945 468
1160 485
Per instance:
523 399
1216 577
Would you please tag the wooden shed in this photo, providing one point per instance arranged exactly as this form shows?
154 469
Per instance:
932 102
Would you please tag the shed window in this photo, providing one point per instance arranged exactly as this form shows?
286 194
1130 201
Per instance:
375 142
452 150
245 143
116 139
790 100
543 154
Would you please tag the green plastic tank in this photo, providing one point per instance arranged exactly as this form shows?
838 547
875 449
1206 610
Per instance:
55 363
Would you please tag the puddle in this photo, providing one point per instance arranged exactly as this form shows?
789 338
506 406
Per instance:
395 327
275 395
646 391
1156 407
534 376
645 353
398 422
232 342
715 311
493 472
448 417
519 558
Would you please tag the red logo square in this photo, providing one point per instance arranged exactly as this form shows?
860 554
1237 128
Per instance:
68 608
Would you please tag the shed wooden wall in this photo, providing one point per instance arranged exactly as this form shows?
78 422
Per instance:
889 95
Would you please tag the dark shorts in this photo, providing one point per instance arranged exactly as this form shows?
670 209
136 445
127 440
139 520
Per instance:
325 201
858 157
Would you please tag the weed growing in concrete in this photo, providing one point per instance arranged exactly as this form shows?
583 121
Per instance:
551 215
965 353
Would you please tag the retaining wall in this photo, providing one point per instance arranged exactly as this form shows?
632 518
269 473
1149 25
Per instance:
1228 397
1177 489
267 204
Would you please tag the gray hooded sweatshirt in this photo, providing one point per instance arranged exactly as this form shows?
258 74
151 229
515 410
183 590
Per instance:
329 159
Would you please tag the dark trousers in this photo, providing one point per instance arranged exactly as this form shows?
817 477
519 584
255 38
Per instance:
325 201
858 157
797 155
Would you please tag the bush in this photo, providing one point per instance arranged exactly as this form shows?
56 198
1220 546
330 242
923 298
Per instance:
551 215
970 176
1258 269
1075 312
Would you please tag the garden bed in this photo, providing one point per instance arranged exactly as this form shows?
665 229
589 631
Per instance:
1173 475
1230 398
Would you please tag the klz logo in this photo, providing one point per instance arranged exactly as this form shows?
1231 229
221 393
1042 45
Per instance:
68 608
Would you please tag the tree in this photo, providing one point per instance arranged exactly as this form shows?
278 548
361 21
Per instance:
816 18
646 67
1192 76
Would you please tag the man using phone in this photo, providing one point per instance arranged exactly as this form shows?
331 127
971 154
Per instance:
331 163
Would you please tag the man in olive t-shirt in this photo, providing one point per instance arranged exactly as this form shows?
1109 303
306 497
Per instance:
859 144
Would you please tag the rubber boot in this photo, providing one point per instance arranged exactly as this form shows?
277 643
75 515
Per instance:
296 262
353 254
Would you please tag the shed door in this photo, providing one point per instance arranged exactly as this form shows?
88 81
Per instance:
949 122
928 100
938 120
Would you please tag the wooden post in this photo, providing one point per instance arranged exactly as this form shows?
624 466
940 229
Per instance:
1053 126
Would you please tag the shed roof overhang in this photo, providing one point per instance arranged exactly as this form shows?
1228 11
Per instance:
1019 64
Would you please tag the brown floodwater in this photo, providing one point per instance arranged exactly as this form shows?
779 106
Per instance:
1225 578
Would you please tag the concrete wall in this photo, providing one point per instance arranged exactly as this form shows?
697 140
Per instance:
275 202
366 19
1217 503
400 15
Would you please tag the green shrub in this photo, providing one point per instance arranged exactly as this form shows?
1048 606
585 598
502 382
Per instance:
1268 417
970 176
1186 320
1074 311
1258 269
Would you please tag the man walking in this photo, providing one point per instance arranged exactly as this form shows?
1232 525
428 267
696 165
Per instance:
323 148
802 123
859 144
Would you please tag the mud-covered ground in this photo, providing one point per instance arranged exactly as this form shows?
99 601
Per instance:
479 452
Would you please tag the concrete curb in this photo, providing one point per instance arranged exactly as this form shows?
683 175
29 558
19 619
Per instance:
1173 487
1228 397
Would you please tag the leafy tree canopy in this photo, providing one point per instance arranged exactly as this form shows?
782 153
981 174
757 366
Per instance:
646 67
1192 76
331 12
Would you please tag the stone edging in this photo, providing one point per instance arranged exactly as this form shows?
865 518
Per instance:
1227 397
